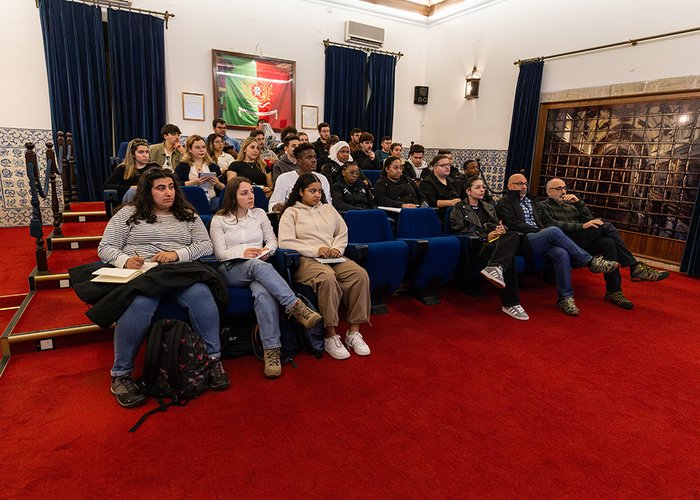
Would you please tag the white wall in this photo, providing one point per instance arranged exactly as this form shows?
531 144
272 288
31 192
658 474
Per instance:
284 29
439 56
24 88
494 37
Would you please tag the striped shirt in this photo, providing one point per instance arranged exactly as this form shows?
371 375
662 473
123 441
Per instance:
120 241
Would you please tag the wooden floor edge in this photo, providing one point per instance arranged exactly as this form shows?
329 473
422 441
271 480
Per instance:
48 334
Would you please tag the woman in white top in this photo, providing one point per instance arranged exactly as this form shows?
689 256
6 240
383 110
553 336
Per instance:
243 240
197 162
215 148
316 230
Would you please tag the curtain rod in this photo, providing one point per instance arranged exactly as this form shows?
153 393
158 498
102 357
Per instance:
631 42
106 3
397 55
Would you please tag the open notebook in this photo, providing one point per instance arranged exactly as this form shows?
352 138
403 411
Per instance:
117 275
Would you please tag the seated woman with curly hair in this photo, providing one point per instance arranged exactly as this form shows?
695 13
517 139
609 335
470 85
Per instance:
160 226
316 230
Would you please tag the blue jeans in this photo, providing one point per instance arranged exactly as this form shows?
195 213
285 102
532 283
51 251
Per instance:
269 292
134 323
556 245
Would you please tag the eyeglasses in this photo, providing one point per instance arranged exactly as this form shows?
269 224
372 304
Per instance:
444 165
558 188
354 173
520 184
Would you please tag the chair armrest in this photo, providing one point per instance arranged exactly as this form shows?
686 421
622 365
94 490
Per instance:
417 247
111 199
209 260
357 252
286 262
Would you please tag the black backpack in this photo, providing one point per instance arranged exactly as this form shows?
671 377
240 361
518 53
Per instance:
176 365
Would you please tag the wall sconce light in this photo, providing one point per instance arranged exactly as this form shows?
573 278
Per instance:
471 89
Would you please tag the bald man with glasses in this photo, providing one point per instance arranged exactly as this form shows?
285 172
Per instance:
519 211
566 211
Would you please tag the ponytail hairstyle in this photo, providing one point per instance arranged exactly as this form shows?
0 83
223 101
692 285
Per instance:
302 183
387 163
129 161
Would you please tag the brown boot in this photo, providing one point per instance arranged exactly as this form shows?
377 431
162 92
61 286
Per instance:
303 314
273 366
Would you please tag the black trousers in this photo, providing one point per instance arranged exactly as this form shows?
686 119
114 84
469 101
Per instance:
502 253
606 241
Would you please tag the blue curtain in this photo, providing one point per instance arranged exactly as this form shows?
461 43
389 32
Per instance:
137 64
381 75
344 99
77 73
523 128
690 263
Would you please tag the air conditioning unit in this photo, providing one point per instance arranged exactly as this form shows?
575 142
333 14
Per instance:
364 34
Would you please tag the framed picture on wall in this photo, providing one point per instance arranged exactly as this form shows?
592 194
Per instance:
192 106
248 88
309 117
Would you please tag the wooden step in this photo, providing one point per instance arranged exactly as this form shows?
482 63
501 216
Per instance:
49 281
85 216
68 242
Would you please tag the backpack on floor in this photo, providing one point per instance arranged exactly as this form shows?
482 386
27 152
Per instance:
237 337
176 365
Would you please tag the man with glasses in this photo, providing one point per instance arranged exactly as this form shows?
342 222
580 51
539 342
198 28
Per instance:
519 211
566 211
306 164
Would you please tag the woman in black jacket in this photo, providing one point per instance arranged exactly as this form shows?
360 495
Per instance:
348 190
393 189
127 173
441 190
497 246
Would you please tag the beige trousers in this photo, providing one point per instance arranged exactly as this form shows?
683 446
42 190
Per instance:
332 283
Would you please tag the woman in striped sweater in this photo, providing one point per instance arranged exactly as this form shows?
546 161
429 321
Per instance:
160 226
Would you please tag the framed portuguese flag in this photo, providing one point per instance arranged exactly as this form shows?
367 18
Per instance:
249 87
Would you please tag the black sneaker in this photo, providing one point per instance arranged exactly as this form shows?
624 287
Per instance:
619 299
218 380
127 393
643 272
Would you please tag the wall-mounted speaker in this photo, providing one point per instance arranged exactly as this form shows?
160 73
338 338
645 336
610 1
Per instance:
420 95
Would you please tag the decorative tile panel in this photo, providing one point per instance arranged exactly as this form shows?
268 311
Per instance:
493 163
15 198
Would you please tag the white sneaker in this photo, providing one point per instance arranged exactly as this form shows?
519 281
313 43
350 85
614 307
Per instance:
495 275
516 312
334 347
355 341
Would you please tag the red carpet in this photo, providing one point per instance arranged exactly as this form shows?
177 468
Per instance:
87 206
54 308
456 400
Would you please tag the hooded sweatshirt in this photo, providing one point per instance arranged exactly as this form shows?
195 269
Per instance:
306 229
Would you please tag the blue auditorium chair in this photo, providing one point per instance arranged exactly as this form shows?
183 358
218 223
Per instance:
121 151
198 198
261 201
372 245
372 175
433 257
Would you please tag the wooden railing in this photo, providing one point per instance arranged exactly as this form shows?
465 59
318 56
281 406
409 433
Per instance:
69 180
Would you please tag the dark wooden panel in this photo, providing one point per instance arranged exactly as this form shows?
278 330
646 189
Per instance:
654 247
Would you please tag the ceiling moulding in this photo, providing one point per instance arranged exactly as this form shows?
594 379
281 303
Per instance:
445 11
